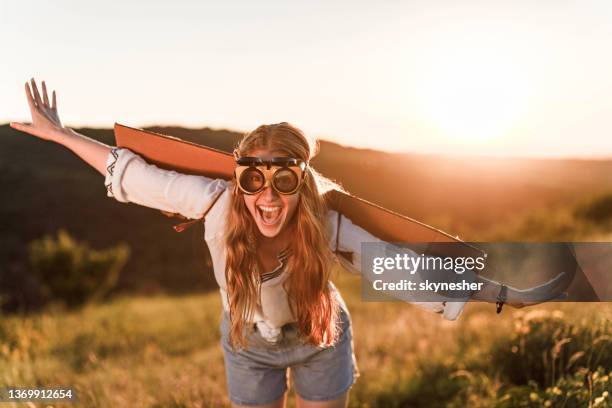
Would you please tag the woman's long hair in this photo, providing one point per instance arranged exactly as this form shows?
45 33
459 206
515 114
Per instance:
309 265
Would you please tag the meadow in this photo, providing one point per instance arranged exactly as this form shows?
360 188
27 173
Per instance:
164 351
155 341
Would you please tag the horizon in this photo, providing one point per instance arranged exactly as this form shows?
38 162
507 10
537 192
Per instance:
483 156
458 79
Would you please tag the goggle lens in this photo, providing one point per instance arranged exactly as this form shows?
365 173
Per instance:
252 180
285 181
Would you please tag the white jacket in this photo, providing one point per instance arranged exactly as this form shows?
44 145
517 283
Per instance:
129 178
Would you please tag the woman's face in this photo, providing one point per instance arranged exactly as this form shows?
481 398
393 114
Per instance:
271 211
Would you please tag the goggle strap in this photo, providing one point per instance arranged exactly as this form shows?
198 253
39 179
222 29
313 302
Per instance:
280 162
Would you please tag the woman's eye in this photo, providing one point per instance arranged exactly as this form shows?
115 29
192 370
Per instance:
286 180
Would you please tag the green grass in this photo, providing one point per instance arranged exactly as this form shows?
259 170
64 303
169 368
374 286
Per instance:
164 352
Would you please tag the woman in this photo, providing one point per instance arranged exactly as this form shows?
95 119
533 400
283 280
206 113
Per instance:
272 243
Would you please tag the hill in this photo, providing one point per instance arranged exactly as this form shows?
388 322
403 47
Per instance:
45 187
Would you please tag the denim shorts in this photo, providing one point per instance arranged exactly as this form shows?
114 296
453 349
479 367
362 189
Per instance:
257 375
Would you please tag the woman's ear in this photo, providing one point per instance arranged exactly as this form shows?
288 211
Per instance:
236 154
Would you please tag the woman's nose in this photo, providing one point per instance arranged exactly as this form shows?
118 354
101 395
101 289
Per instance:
269 193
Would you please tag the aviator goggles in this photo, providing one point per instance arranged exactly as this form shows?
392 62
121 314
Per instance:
284 174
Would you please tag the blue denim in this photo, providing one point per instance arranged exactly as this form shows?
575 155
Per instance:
257 375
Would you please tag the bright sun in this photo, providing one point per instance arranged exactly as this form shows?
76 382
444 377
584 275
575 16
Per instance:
473 97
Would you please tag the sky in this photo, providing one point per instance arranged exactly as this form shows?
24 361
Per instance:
500 78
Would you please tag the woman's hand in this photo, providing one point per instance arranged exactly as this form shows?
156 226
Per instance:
548 291
46 123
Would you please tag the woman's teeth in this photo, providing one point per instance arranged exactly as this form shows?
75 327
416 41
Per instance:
269 214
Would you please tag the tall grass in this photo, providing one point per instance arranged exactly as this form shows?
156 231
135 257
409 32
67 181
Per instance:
164 351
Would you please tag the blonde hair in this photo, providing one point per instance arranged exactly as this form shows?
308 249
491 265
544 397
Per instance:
311 300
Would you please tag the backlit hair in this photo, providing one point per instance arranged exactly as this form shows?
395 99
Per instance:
308 267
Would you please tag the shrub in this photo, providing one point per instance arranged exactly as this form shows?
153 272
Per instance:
584 388
73 273
544 347
545 361
598 210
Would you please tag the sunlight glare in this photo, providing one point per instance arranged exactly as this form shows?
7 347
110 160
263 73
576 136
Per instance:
473 97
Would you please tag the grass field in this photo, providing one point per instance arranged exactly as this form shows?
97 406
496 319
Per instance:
165 352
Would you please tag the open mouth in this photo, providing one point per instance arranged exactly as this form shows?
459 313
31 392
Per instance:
269 214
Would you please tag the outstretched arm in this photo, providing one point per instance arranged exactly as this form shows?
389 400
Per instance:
46 125
549 291
128 177
346 240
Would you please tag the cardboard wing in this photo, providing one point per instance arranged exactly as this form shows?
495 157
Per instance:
176 154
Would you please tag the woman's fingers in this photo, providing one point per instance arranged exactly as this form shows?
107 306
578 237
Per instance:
32 130
39 101
22 127
34 99
45 96
31 101
46 123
